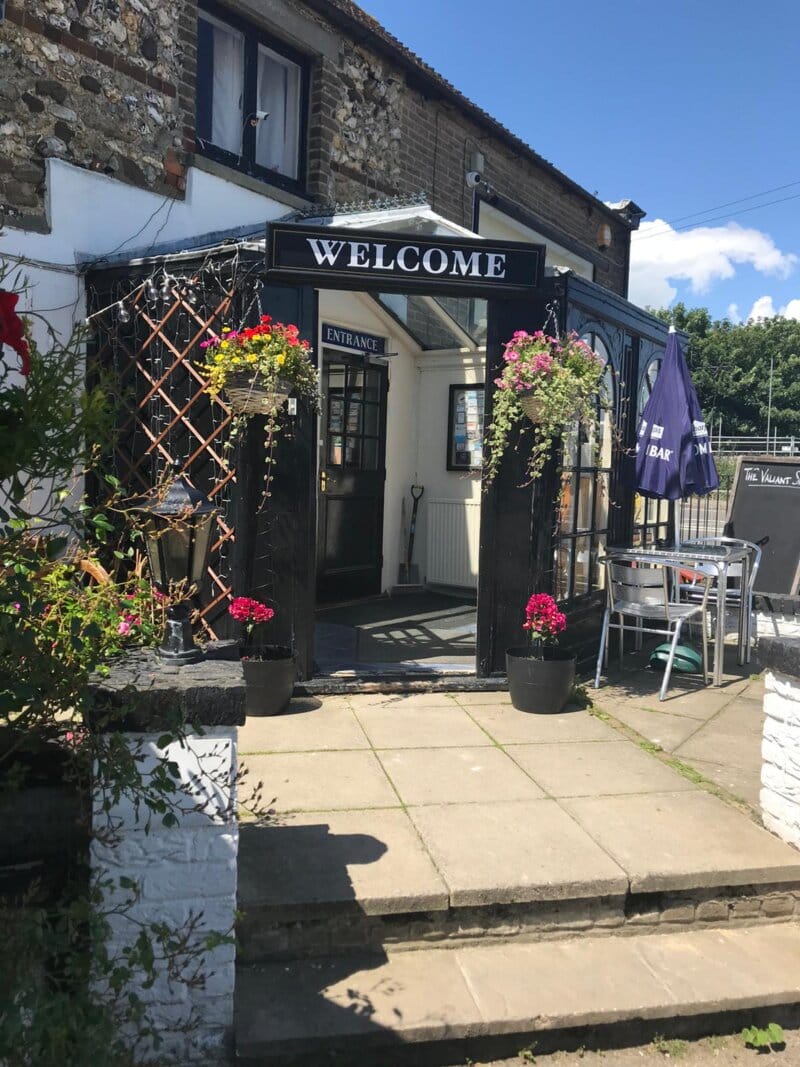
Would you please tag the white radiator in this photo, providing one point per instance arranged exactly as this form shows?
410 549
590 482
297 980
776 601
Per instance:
453 535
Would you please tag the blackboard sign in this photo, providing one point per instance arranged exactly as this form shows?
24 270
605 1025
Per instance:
766 503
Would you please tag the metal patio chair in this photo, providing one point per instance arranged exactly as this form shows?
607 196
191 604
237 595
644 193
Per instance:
692 591
643 593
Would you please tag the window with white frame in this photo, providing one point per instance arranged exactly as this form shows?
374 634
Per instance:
251 99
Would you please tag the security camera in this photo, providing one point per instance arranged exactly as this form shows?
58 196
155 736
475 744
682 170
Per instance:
474 179
257 116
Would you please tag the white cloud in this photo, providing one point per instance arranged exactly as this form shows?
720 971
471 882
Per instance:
733 313
700 256
764 308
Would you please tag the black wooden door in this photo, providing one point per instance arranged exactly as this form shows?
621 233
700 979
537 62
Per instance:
352 476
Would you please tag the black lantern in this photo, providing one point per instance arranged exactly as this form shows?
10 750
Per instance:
178 528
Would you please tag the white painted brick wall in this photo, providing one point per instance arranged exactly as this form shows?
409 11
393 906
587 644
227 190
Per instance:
780 754
183 871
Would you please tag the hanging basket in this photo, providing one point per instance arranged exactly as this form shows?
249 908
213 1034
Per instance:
248 394
532 405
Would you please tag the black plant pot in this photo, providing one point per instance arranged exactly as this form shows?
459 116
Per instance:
269 679
540 685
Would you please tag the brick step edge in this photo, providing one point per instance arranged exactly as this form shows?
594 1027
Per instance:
395 1008
261 936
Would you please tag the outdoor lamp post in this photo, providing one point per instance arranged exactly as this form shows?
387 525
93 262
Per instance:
177 531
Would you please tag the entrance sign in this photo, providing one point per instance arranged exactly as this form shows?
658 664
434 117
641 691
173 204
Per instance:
356 340
392 262
766 503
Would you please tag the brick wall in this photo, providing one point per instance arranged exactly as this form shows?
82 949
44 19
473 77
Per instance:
110 85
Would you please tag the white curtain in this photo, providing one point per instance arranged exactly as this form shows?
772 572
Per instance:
277 138
226 114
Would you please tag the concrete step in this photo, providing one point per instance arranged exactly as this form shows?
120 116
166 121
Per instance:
439 1007
316 885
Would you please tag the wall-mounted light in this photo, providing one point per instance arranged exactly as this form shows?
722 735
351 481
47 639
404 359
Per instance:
604 237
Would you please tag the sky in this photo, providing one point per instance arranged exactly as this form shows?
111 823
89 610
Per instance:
691 108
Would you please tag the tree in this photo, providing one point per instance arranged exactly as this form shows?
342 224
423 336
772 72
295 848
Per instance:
730 365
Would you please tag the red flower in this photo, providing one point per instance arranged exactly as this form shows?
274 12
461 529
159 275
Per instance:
543 619
11 330
246 609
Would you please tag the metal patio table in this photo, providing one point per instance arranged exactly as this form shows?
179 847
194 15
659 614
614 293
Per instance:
721 558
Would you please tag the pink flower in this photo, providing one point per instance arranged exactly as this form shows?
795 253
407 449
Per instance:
124 627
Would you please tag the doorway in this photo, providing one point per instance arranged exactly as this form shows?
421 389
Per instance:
352 473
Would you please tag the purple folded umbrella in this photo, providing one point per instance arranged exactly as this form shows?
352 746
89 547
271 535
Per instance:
673 449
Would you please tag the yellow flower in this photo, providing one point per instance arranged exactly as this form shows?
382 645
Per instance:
281 360
225 344
226 329
218 358
235 361
251 357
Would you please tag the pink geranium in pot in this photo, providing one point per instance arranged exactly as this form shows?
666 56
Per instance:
540 674
269 671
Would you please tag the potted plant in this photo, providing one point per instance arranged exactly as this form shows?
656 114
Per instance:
268 669
541 675
552 382
258 367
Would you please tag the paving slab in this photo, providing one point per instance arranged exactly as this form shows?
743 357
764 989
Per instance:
307 725
358 1003
372 860
515 851
472 700
684 840
320 781
457 775
389 726
304 1005
596 768
400 701
744 783
508 726
660 727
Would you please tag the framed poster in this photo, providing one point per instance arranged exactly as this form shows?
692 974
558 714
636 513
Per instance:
465 428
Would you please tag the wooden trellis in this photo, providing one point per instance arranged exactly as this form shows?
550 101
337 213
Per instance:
149 329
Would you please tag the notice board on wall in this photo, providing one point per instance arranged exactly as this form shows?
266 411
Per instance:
766 503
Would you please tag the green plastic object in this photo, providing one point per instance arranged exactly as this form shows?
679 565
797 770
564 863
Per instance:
687 659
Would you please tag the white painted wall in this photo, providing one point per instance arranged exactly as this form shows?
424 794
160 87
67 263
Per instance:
179 872
435 375
416 428
494 223
780 753
92 215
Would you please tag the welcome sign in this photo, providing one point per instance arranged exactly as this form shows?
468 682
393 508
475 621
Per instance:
391 262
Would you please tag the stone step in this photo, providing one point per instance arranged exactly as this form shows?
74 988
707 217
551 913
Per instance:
316 885
440 1007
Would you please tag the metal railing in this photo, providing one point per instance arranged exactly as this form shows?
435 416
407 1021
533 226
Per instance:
756 446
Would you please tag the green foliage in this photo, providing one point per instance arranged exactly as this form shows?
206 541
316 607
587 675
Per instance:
675 1047
65 996
730 366
767 1038
50 424
564 378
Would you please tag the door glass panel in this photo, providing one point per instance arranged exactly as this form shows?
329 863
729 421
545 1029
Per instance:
335 378
336 415
352 451
583 565
370 454
353 416
567 501
373 390
598 554
563 562
371 419
584 516
355 379
335 451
